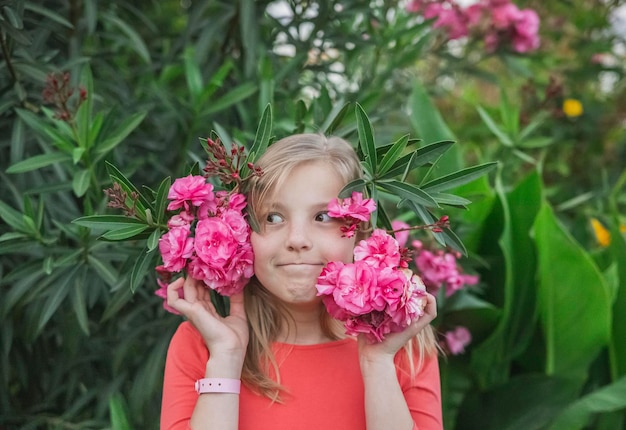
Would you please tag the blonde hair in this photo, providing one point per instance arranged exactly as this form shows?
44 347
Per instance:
266 315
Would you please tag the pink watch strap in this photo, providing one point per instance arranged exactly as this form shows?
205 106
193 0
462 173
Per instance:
218 385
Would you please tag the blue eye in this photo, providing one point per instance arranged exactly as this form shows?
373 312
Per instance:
273 218
323 217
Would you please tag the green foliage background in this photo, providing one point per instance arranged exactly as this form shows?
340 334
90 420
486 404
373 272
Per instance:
80 348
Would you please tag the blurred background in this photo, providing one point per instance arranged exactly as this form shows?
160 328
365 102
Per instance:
531 312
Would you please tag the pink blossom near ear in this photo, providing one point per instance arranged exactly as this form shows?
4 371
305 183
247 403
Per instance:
457 339
352 207
176 246
400 231
162 292
390 291
379 250
192 190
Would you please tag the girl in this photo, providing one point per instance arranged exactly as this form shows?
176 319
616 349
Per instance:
299 370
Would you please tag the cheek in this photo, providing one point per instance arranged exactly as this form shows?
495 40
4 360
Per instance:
343 250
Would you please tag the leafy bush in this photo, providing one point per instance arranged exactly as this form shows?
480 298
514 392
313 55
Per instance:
90 85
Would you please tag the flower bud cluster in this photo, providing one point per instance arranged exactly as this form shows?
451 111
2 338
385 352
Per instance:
59 92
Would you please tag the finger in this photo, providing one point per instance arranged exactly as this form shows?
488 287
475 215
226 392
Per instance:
237 306
173 297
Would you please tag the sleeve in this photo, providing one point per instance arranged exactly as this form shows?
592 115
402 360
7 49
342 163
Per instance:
422 392
186 361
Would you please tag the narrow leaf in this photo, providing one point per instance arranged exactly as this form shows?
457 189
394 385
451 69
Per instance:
12 217
420 157
160 203
234 96
107 222
80 182
355 185
38 161
140 268
458 178
124 129
491 124
128 186
333 121
124 233
392 155
409 192
366 138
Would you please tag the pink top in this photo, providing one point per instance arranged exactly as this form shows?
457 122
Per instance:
324 387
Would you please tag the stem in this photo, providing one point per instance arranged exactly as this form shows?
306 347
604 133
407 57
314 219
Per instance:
7 56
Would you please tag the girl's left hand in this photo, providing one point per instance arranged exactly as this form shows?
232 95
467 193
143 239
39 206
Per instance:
394 341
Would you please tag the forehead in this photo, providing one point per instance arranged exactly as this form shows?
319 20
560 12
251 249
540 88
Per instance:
311 183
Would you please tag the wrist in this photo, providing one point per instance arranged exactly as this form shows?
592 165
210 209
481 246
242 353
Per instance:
224 367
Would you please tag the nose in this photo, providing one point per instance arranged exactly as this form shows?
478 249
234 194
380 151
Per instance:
298 237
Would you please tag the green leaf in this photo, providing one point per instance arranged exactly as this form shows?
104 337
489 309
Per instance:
135 41
458 178
104 269
392 155
333 120
490 123
83 115
37 124
12 217
606 399
409 192
80 182
450 199
355 185
38 161
571 290
431 127
366 138
140 268
118 413
420 157
617 349
124 233
107 222
79 304
234 96
153 240
115 138
48 13
192 73
261 140
160 203
58 294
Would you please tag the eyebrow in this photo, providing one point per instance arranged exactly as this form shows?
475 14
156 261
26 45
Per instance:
280 207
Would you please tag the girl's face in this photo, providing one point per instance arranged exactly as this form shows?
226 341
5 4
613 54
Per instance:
297 236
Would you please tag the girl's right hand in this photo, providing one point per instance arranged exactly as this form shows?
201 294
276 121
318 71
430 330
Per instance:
225 337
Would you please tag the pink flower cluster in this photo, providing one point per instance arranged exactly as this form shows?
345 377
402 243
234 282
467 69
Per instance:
456 340
209 237
496 21
353 210
375 294
438 268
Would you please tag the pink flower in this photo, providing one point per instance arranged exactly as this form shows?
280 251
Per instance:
237 224
400 231
439 268
190 189
526 27
355 284
375 325
379 250
390 291
176 246
457 340
352 207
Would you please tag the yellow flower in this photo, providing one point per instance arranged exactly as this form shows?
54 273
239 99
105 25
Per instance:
572 108
602 234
